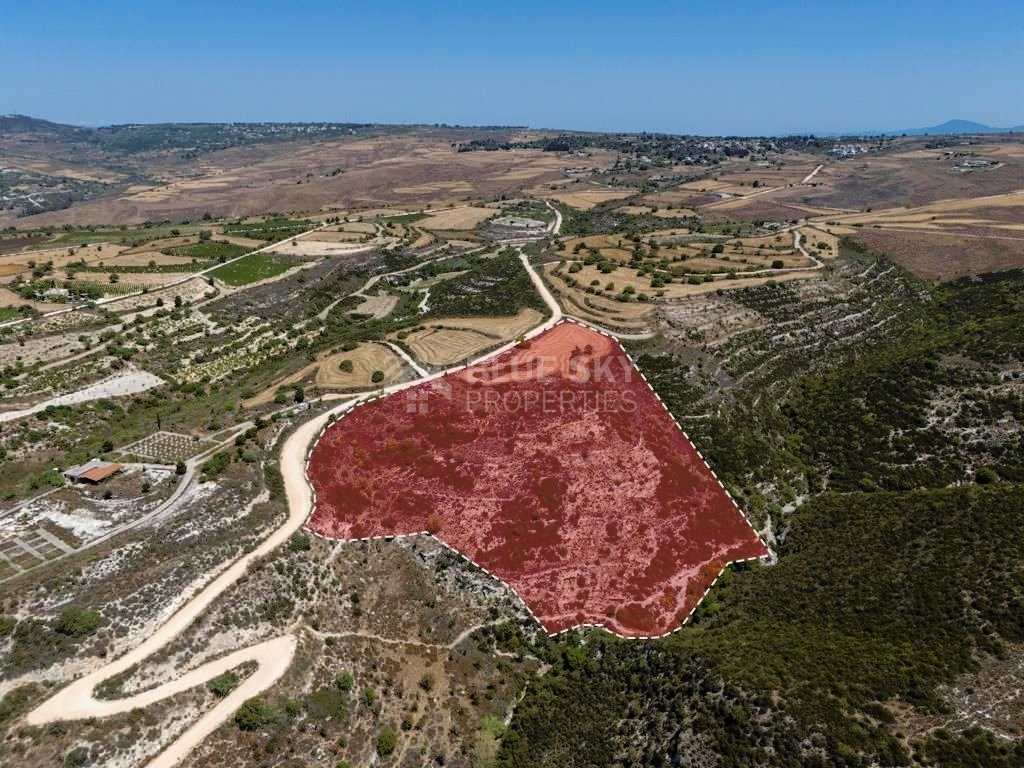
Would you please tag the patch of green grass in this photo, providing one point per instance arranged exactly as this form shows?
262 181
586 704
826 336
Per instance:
405 218
249 269
207 250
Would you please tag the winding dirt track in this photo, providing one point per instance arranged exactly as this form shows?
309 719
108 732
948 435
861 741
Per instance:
273 657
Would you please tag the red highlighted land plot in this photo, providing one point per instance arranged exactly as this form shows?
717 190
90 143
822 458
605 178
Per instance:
555 467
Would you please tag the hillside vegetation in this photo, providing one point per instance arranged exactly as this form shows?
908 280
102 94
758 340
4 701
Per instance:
900 572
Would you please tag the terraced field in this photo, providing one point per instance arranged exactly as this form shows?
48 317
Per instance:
629 317
756 339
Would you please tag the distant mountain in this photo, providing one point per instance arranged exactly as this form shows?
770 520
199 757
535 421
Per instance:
21 124
956 126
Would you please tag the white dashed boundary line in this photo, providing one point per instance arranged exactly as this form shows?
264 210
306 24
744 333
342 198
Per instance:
575 627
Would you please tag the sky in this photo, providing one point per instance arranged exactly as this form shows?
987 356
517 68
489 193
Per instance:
724 67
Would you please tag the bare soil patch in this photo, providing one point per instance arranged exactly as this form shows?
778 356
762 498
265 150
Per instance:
445 346
939 256
588 198
377 306
457 218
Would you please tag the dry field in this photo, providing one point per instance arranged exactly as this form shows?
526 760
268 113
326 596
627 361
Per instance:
617 247
814 236
457 218
412 169
376 306
630 316
683 198
627 316
586 199
167 191
944 239
308 247
909 177
361 227
335 236
9 269
436 188
424 239
325 373
773 206
940 256
742 175
505 328
142 258
452 339
366 359
445 346
658 209
965 216
60 257
739 253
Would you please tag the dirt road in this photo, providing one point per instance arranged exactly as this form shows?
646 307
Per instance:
812 174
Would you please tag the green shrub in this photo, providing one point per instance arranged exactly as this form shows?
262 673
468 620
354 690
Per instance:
223 684
344 681
216 464
77 622
256 713
387 741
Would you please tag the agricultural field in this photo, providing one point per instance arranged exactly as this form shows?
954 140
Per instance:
945 239
376 307
445 346
270 230
167 447
454 339
585 199
344 370
251 269
208 250
619 316
468 217
313 246
125 236
678 252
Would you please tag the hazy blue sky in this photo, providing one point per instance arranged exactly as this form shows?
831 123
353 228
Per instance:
730 66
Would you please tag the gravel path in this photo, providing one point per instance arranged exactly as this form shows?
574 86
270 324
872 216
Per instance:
119 385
